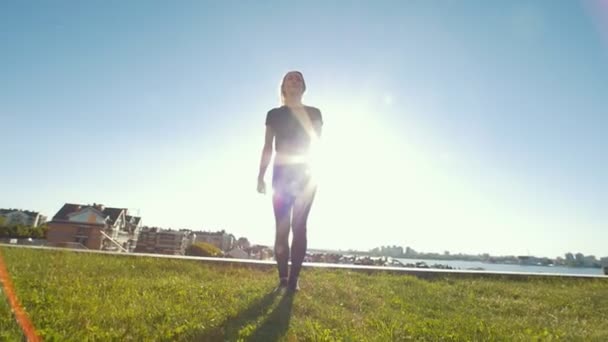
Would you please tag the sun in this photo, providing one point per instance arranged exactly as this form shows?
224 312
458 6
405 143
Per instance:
351 152
370 179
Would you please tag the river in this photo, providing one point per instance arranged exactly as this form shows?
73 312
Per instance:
460 264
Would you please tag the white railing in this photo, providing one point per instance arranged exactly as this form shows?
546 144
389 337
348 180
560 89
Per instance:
113 241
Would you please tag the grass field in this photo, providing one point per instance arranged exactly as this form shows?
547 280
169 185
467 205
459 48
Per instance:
79 296
9 330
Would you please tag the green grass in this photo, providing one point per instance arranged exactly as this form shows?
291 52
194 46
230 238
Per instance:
91 297
9 330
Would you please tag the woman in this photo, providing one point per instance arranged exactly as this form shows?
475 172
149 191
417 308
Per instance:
293 128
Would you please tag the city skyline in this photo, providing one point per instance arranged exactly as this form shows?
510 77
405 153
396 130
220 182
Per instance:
206 229
448 125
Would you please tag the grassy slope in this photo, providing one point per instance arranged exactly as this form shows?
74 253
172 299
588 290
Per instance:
9 330
79 297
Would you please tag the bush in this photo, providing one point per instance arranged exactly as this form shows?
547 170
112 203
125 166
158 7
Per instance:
21 231
203 249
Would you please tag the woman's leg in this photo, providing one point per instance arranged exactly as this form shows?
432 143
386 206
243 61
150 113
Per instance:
282 205
301 209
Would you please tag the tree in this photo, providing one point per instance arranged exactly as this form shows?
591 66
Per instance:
21 231
243 243
39 232
2 221
203 249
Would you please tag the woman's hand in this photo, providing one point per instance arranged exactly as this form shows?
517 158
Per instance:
261 186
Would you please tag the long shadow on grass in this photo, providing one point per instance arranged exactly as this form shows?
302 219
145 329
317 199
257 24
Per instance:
229 329
276 324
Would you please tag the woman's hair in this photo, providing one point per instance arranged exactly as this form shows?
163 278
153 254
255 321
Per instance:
283 84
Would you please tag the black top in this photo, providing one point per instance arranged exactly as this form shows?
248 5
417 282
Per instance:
290 134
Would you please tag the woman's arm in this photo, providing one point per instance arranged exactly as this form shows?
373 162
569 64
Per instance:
266 156
318 127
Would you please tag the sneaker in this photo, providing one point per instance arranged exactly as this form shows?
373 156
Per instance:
293 286
283 284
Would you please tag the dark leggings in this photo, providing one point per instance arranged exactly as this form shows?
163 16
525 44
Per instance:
291 212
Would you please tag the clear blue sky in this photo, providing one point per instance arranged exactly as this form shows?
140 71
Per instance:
449 125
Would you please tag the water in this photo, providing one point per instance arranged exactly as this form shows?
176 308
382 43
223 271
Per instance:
463 265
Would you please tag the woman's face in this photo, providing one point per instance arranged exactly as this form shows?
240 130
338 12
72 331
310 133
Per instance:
293 84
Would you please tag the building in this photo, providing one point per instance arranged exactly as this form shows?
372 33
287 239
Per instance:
591 261
237 253
92 226
127 236
22 217
221 239
260 252
164 241
394 251
132 225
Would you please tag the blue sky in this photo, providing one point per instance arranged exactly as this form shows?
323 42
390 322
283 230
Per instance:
449 125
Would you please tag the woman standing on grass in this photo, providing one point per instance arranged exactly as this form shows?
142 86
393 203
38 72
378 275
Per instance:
294 129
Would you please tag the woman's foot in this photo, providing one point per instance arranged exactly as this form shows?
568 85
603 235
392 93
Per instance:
283 284
293 285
